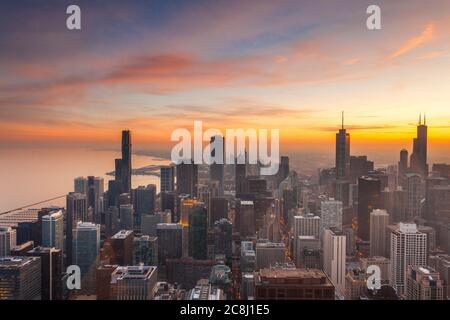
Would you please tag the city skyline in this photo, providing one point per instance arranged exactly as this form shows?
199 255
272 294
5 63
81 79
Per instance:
233 69
115 115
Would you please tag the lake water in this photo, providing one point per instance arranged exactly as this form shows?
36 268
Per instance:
30 176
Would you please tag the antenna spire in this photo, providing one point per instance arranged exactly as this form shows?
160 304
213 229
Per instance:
424 119
420 119
342 119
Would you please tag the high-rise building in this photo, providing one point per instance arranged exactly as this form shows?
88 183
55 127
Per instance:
122 248
418 159
103 282
126 213
8 238
292 284
80 185
218 209
408 248
246 217
51 260
222 239
424 283
441 263
306 225
145 251
216 168
170 241
134 282
334 255
269 253
53 230
86 245
112 225
369 198
95 197
331 214
402 164
359 166
76 210
308 252
167 178
144 202
150 221
379 220
240 174
198 232
186 204
20 278
413 183
187 178
342 153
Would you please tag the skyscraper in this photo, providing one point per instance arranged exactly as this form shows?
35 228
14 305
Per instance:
403 163
334 254
424 283
80 185
170 241
134 282
144 202
379 219
198 232
268 254
187 178
408 248
369 198
51 271
76 210
413 184
86 245
342 153
122 248
126 216
145 251
20 278
126 161
167 178
419 155
53 230
8 240
216 169
331 214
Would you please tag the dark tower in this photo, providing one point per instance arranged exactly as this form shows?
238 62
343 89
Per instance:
419 155
342 153
369 198
217 169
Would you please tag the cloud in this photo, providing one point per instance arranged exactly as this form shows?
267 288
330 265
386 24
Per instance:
427 34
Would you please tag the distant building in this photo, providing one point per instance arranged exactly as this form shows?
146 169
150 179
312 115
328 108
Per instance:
334 258
204 291
145 251
331 214
269 253
379 220
53 230
86 245
369 198
382 262
424 283
170 241
122 248
198 231
187 271
134 282
7 240
408 248
20 278
292 284
167 178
